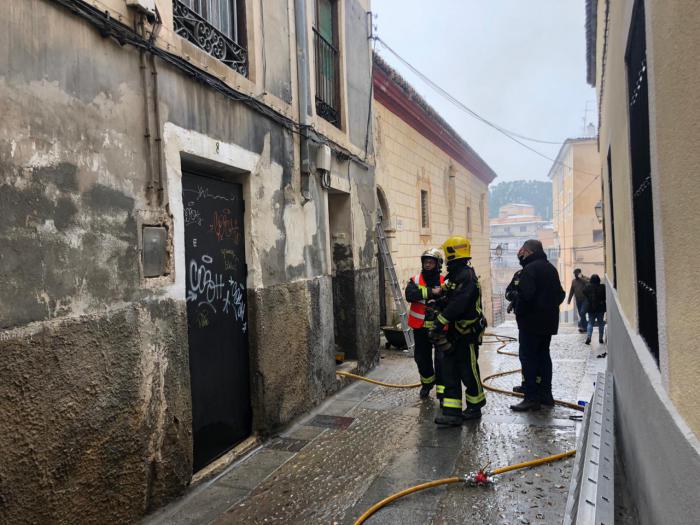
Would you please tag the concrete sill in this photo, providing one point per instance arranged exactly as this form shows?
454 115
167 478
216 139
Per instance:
224 461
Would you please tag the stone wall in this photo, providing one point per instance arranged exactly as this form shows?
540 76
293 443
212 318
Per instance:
95 390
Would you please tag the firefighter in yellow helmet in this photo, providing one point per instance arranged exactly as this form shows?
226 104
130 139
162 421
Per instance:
461 312
419 292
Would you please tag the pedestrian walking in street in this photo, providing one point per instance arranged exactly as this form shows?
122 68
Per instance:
461 313
536 298
421 288
595 297
578 285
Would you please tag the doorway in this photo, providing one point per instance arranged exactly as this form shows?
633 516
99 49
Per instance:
343 275
216 315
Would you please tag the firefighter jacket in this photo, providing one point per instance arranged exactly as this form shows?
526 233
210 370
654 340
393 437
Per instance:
462 312
418 293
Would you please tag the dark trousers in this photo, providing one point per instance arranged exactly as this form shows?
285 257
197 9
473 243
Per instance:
537 365
582 306
461 366
423 355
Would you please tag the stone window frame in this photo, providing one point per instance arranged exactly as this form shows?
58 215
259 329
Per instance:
424 209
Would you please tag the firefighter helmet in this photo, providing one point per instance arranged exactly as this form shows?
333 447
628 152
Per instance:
457 247
433 253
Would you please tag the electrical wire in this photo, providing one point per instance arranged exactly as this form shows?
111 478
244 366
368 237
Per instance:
515 137
458 102
124 35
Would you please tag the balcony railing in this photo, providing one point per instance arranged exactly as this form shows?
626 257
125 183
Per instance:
327 91
197 30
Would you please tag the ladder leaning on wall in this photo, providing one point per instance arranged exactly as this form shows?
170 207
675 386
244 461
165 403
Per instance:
395 287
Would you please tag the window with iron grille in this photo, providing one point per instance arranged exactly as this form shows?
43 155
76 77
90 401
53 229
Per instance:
612 219
327 66
469 219
642 209
424 210
216 26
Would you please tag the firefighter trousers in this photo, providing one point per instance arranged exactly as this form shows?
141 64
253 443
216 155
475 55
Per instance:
460 366
423 355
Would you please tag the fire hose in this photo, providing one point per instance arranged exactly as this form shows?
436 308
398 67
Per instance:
482 476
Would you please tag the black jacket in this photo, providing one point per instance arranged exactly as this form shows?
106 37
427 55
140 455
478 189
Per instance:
537 295
413 293
595 294
462 298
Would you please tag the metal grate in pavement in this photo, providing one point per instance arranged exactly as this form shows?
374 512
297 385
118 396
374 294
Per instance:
326 421
287 444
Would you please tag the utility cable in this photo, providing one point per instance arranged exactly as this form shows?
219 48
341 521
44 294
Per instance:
515 137
457 102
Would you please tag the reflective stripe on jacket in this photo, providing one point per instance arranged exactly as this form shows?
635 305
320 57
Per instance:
416 314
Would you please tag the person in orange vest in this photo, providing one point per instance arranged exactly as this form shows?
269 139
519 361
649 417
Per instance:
421 288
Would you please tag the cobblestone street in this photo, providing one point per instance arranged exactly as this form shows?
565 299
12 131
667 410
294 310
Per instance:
368 442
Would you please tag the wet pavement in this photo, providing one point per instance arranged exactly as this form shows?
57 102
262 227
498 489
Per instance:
367 442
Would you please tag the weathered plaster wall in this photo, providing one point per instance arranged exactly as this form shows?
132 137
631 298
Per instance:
614 135
65 149
666 444
675 128
276 67
292 354
358 63
96 416
95 393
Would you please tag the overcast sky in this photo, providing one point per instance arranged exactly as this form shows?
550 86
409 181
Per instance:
518 63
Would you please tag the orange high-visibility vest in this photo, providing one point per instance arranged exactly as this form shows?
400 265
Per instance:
416 315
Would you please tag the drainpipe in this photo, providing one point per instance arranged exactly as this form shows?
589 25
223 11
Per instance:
303 94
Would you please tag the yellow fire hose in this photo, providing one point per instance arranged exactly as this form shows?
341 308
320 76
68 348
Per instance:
482 476
374 382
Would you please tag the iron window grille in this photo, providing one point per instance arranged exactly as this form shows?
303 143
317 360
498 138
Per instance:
642 207
424 212
216 26
327 62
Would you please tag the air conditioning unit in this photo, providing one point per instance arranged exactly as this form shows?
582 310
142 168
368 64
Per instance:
147 7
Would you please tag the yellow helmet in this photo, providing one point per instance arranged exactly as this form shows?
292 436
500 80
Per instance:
457 247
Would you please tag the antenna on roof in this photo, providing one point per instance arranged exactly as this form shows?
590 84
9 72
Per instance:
588 127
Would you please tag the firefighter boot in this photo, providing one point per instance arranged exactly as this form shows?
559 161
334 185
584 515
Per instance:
425 390
448 420
471 413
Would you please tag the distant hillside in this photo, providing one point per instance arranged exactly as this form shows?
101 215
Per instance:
533 192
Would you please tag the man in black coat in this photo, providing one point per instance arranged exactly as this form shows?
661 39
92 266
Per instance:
536 294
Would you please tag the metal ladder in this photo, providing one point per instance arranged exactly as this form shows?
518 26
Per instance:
395 287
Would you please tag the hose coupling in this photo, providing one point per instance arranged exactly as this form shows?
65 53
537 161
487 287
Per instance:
480 478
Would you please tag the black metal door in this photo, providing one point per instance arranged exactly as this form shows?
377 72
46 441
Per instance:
216 315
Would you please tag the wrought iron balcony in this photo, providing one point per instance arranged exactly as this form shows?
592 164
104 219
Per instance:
327 93
200 32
